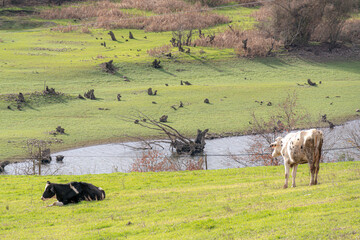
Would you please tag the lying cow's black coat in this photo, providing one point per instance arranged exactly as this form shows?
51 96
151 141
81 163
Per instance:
73 192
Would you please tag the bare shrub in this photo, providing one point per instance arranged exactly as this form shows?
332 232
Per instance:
214 3
258 43
82 11
350 31
285 118
170 22
352 137
335 12
295 22
85 30
159 51
65 29
155 161
159 6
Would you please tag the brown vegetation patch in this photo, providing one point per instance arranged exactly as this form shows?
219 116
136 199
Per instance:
159 6
109 15
249 43
160 51
81 11
170 22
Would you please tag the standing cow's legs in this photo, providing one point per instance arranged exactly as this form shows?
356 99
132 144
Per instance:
312 172
317 168
287 171
294 175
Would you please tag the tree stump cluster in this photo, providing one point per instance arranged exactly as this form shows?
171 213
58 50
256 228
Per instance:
49 91
182 144
60 130
90 94
185 82
108 67
156 63
151 93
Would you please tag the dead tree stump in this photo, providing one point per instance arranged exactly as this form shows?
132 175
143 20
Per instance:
90 94
20 98
131 36
156 63
150 92
311 83
108 67
59 158
3 165
112 35
164 118
60 130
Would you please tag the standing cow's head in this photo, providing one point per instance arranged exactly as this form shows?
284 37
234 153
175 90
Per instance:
49 191
277 145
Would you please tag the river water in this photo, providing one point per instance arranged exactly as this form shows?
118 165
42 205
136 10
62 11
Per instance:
220 153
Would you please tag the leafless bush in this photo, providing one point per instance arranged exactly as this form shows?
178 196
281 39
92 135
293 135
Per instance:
352 137
65 29
159 6
85 30
214 3
295 22
335 12
173 22
159 51
350 31
285 118
82 11
258 43
155 161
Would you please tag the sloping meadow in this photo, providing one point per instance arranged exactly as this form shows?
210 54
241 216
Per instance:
222 204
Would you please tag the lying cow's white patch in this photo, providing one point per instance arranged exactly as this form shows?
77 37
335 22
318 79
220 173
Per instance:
75 190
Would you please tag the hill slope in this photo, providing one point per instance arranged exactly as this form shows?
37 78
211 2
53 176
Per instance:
244 203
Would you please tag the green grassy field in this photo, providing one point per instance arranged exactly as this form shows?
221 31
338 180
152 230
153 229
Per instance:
69 62
246 203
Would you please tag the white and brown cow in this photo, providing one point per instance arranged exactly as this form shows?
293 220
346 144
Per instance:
299 148
73 192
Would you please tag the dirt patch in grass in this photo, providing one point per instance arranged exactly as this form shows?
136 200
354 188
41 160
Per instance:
321 53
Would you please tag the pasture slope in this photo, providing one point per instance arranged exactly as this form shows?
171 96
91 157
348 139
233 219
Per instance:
247 203
32 56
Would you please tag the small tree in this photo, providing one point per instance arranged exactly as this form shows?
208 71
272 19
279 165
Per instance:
37 151
285 118
296 22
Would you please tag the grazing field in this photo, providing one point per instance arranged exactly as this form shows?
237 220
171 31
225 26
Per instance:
246 203
70 63
32 57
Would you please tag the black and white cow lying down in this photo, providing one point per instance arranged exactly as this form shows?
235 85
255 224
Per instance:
73 192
